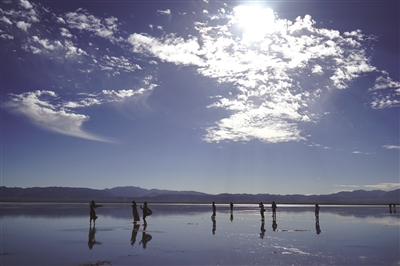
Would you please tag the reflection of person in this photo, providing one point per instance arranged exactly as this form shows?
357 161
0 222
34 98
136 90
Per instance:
316 211
214 209
273 209
92 241
146 212
317 227
214 226
145 237
92 213
262 210
262 233
135 213
135 230
274 224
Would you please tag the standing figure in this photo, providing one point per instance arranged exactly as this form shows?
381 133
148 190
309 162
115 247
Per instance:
92 213
231 207
274 209
316 211
146 212
390 208
262 210
135 213
394 208
214 209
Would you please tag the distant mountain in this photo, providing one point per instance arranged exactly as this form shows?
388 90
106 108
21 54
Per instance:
129 193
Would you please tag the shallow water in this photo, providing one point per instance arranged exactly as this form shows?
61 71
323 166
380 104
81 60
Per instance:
182 234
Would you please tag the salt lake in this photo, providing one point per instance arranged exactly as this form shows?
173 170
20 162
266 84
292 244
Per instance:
186 234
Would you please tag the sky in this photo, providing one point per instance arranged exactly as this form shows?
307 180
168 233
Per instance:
278 97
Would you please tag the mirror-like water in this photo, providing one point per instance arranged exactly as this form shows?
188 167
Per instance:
60 234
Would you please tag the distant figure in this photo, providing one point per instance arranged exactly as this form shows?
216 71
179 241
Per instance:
145 237
316 211
146 212
394 208
93 207
92 240
231 207
317 227
135 213
262 233
262 210
214 209
273 209
390 208
135 230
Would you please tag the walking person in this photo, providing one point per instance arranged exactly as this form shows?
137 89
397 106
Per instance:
316 211
262 210
135 213
93 207
274 209
146 212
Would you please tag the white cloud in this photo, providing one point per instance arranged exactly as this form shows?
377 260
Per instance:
23 25
384 186
277 78
391 147
385 92
47 110
164 12
26 4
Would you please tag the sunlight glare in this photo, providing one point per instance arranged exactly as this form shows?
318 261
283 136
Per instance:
255 21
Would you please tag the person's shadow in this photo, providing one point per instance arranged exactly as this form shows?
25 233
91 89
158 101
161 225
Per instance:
317 227
145 237
92 240
135 231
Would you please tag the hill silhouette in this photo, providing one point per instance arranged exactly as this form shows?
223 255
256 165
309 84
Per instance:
129 193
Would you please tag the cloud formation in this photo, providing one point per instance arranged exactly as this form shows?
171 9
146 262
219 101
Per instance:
277 70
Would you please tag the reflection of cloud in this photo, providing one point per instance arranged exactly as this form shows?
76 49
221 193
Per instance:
386 221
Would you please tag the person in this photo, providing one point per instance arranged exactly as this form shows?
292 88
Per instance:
316 211
93 207
135 213
390 207
214 209
274 209
394 208
262 210
231 207
146 212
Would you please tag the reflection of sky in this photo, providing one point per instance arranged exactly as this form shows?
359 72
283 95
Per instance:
183 234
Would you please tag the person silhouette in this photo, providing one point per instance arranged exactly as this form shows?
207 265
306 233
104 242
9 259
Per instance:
146 211
231 205
135 230
316 211
262 210
135 213
214 209
273 209
394 208
93 207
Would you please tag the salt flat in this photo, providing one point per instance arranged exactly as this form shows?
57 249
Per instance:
183 234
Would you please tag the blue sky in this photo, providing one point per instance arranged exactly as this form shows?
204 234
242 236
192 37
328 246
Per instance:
238 96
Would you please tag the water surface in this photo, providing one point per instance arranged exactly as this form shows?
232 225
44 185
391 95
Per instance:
182 234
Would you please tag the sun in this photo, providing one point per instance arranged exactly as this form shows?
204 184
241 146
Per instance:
254 21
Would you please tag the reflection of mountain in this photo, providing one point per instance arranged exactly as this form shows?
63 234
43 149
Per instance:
127 194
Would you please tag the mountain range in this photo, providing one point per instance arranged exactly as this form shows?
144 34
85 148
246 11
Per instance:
129 193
